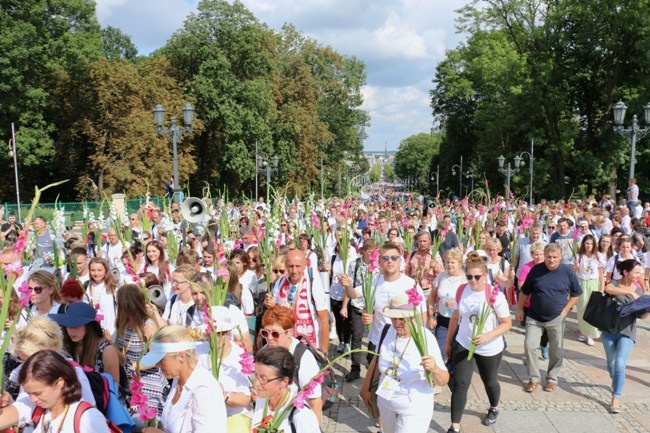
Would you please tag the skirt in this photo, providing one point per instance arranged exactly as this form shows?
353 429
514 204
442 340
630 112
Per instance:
588 287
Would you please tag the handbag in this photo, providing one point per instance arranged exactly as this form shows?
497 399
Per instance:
368 391
602 313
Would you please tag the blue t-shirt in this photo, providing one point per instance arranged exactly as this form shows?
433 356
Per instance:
550 290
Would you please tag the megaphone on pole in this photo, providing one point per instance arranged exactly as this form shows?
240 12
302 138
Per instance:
193 210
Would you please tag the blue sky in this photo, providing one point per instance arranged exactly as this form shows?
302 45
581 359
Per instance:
400 41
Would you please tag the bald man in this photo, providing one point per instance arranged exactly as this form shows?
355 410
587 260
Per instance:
303 292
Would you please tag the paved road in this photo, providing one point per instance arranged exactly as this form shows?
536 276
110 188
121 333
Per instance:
579 405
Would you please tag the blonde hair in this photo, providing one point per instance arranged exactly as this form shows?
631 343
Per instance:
454 254
41 333
537 247
493 243
180 334
475 261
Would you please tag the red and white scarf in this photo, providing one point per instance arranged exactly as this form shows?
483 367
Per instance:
301 306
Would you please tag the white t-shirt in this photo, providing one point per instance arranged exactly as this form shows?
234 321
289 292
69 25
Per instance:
308 368
104 303
409 371
304 420
176 313
25 407
92 420
470 306
231 377
337 291
447 286
385 291
588 267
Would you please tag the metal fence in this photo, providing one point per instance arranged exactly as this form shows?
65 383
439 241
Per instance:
73 211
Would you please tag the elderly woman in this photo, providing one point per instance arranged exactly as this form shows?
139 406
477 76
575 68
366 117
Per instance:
404 397
277 330
196 402
442 301
489 343
274 372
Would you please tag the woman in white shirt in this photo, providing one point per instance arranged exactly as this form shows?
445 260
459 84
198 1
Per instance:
274 371
157 263
49 380
590 270
100 293
248 281
404 397
490 343
44 297
196 400
442 299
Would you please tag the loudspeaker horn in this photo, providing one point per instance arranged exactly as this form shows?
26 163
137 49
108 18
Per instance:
158 297
193 210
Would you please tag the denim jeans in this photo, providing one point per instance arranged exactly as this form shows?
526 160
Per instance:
617 350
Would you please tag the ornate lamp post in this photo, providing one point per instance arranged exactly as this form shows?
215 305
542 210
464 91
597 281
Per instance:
460 175
508 170
176 134
632 133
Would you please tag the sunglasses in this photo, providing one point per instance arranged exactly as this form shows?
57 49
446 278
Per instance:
475 277
273 334
38 290
387 258
551 227
279 271
283 225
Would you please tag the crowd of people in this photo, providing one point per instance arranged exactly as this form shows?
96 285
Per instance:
222 325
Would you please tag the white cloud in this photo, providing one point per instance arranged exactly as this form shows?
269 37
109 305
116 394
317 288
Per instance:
400 41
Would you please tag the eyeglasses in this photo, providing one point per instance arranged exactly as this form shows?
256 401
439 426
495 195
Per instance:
274 334
264 381
279 271
146 239
387 258
38 290
476 277
176 283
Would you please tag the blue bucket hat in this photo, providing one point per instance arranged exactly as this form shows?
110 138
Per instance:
77 314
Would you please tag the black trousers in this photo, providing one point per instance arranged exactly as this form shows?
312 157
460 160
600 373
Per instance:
343 328
357 336
488 368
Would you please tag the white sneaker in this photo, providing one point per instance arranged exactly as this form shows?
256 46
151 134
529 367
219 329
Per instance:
582 338
333 335
341 348
347 347
590 342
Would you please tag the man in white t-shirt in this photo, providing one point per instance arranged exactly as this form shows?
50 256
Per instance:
305 295
390 283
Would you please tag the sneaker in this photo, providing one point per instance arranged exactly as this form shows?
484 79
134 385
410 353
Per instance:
491 417
590 342
353 375
582 338
347 347
453 430
341 348
545 352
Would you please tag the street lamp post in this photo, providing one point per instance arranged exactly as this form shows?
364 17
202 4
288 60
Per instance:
263 165
176 136
530 169
634 132
12 152
460 175
436 179
508 171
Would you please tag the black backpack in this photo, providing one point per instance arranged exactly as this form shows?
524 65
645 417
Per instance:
329 386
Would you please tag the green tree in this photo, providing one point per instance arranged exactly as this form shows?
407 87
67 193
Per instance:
375 173
414 155
117 45
41 42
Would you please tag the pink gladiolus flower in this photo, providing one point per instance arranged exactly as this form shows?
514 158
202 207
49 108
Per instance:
494 294
487 183
320 378
147 413
138 399
374 260
223 272
576 235
315 221
247 363
13 268
21 242
238 244
206 320
414 296
299 400
25 292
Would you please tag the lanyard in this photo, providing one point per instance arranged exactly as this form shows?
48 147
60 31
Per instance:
392 371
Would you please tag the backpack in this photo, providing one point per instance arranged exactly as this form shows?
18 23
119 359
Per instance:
459 293
83 407
104 389
329 386
189 314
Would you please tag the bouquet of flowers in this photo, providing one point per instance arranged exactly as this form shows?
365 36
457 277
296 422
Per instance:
369 290
417 329
481 320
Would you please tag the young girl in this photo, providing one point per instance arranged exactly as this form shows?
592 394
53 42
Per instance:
157 264
248 282
590 270
100 293
84 339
